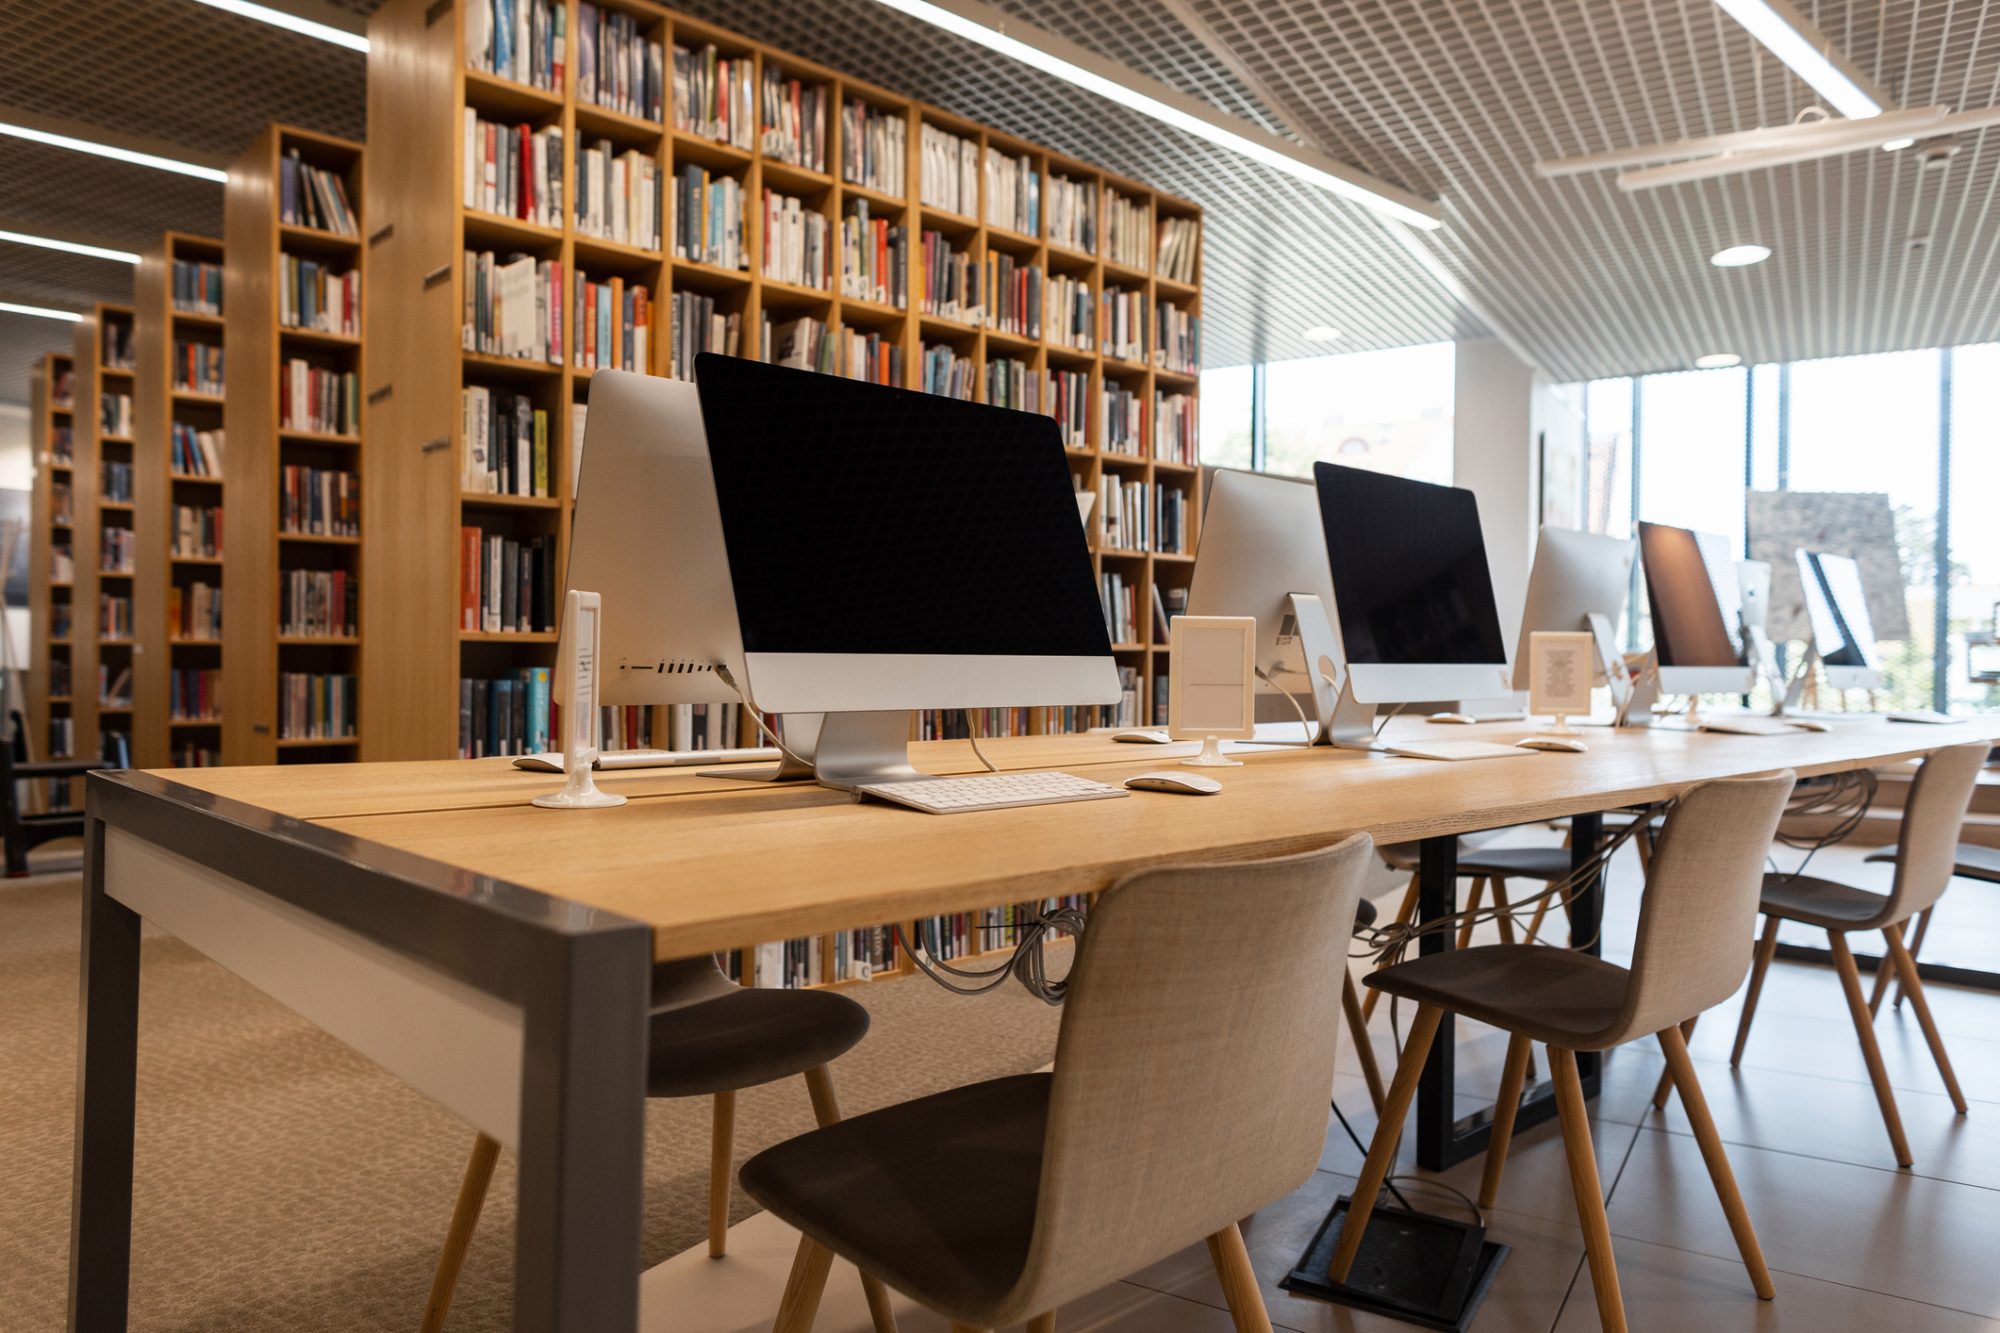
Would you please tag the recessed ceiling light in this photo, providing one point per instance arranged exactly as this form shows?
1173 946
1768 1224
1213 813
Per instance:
1321 333
1717 361
39 311
1897 145
353 41
1740 256
194 169
69 247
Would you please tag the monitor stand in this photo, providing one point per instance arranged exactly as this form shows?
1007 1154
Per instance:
854 749
1637 710
801 739
1322 655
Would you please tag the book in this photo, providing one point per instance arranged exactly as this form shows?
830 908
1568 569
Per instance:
314 296
873 147
797 242
523 40
1072 214
1180 243
794 116
1128 231
713 95
617 67
947 170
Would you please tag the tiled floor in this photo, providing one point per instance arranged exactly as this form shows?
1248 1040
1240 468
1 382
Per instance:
1853 1243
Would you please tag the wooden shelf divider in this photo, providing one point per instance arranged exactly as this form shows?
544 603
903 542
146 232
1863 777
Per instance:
104 399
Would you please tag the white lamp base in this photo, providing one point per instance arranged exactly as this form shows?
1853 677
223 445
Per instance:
1211 756
579 793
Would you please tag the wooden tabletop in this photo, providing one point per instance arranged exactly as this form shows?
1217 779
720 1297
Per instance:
715 864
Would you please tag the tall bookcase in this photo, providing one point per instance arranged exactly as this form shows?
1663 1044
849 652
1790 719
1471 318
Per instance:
178 400
51 543
102 640
276 369
420 86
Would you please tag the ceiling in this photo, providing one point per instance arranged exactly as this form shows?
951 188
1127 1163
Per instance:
1455 99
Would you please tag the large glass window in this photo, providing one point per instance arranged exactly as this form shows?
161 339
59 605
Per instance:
1973 662
1226 408
1691 451
1386 411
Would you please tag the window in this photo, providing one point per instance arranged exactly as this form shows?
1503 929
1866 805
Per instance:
1691 451
1386 411
1226 416
1972 662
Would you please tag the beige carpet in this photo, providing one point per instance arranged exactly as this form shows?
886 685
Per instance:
284 1183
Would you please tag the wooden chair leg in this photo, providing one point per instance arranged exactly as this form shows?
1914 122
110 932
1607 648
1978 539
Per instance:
1504 1110
1239 1281
721 1144
1505 908
1575 1117
1043 1323
826 1111
1535 922
1406 911
1913 991
1364 1050
1883 973
956 1327
1696 1105
799 1306
1767 949
1388 1129
1473 897
464 1220
1665 1087
1864 1028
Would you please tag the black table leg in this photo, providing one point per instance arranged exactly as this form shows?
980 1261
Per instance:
1586 922
100 1247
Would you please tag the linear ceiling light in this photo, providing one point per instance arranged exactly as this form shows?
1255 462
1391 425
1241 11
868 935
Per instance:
69 247
39 311
194 169
1074 65
1794 41
277 18
1840 138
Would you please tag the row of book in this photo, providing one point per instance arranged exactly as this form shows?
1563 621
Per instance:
324 402
957 724
513 307
194 612
1179 340
194 694
1175 421
874 257
799 343
1121 421
794 119
1013 193
62 567
708 219
1121 323
197 531
614 325
310 196
59 629
114 480
117 550
196 453
714 96
62 444
617 66
796 242
197 287
948 281
1069 305
59 675
947 171
192 754
866 355
1014 294
197 367
1069 403
114 686
1120 601
506 443
1128 231
313 295
1072 214
506 586
1180 244
114 616
62 507
522 40
317 502
513 171
697 323
115 346
1142 516
1014 384
114 413
316 705
63 392
318 604
1126 713
946 372
874 147
114 748
618 195
504 715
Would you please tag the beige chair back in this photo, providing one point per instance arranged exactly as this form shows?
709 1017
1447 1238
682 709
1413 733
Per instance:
1194 1064
1698 920
1933 817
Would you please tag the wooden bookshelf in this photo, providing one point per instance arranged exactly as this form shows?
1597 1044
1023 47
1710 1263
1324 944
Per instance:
52 524
101 382
166 329
420 84
259 552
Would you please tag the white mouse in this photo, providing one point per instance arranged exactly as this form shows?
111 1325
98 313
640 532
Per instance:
1143 737
1808 724
1180 784
1465 718
1565 743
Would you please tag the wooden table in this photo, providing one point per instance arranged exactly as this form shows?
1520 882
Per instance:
496 956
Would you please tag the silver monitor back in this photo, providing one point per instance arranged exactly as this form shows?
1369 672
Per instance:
1575 575
1261 542
648 540
1837 609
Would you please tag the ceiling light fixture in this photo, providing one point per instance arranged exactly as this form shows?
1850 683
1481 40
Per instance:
1840 137
1898 145
1717 361
1786 34
39 311
277 18
1740 256
116 154
1321 333
1000 32
69 247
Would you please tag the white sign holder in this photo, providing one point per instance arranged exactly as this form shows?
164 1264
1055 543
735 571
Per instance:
578 667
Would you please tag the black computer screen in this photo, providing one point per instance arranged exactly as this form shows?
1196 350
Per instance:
865 519
1696 602
1410 580
1837 607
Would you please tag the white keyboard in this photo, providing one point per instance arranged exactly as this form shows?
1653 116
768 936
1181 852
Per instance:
613 759
990 791
1456 750
1749 726
1925 716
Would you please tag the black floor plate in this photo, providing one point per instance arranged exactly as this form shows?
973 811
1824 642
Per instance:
1425 1270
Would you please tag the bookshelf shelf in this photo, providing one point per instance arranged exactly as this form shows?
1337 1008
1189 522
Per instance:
53 513
291 194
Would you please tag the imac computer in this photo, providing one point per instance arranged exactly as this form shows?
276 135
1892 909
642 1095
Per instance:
1413 598
1697 608
889 550
1579 583
1843 637
1263 554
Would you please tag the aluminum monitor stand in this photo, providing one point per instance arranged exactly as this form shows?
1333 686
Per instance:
838 750
1342 721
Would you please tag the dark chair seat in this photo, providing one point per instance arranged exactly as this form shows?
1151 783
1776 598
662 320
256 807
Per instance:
1822 902
935 1195
1559 996
1545 863
1973 861
1365 914
745 1037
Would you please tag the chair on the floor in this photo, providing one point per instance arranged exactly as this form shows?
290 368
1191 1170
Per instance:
1357 1021
1933 817
707 1037
22 830
1692 950
1970 861
1189 1091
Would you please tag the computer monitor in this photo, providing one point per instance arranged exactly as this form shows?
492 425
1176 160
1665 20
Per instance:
890 550
1413 598
1263 553
1579 583
1837 610
1697 608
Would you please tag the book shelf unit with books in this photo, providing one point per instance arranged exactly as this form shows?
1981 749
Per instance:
178 490
294 294
52 575
104 550
826 266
